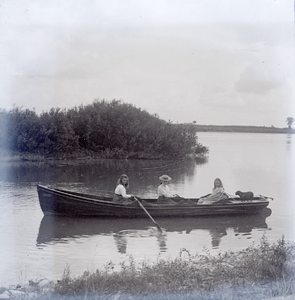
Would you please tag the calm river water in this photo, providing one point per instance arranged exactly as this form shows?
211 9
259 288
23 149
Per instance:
33 245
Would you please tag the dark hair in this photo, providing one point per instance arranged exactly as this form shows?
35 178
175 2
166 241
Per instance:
121 179
219 181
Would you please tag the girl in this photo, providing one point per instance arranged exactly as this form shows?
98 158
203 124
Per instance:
164 195
218 193
120 191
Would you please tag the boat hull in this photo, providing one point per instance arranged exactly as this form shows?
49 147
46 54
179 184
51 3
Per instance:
66 203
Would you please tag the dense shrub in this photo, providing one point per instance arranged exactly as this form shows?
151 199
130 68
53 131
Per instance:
106 128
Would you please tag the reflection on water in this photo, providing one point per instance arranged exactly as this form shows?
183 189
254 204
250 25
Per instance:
59 229
289 141
120 238
101 175
93 169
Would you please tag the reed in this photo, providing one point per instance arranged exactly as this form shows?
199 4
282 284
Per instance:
264 271
261 271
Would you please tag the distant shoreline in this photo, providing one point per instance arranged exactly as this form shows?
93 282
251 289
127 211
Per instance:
249 129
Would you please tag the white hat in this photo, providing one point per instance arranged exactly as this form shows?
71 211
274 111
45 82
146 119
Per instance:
165 178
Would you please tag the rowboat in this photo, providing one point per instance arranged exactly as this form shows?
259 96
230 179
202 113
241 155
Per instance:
58 202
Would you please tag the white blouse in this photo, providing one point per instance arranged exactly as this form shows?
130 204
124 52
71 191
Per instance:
164 190
121 190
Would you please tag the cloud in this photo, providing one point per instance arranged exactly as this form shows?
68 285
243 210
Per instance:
255 80
185 60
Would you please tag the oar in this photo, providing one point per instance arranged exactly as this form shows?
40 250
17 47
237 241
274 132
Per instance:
265 197
158 226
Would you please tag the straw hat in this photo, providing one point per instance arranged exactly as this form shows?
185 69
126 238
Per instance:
165 178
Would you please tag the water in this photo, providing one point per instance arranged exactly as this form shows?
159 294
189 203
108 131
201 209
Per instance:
33 245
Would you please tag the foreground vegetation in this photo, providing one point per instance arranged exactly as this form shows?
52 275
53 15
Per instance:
100 130
263 271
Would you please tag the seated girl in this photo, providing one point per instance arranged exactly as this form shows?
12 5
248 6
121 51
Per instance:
164 195
218 193
120 194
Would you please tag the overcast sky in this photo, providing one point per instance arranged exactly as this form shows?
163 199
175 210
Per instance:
222 62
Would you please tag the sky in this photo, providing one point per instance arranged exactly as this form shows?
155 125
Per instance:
216 62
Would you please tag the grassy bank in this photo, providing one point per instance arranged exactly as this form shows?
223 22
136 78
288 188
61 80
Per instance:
262 271
246 129
81 155
17 156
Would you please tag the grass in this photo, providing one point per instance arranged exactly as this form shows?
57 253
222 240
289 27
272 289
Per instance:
261 271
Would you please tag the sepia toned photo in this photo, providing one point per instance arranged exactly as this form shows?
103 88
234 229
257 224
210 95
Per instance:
147 149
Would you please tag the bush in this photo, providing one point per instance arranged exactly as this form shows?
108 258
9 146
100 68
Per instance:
111 129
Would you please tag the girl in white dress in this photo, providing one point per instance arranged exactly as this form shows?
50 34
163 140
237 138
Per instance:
164 194
218 193
120 191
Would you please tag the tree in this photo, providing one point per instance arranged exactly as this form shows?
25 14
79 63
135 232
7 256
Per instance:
289 122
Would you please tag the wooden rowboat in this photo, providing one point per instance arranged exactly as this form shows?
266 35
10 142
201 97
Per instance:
67 203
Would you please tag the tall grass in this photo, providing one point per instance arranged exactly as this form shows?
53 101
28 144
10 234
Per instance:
259 272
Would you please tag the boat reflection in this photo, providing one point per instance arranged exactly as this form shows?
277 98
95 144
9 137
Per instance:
60 229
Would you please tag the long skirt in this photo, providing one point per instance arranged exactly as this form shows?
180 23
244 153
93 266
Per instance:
165 200
212 198
119 199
